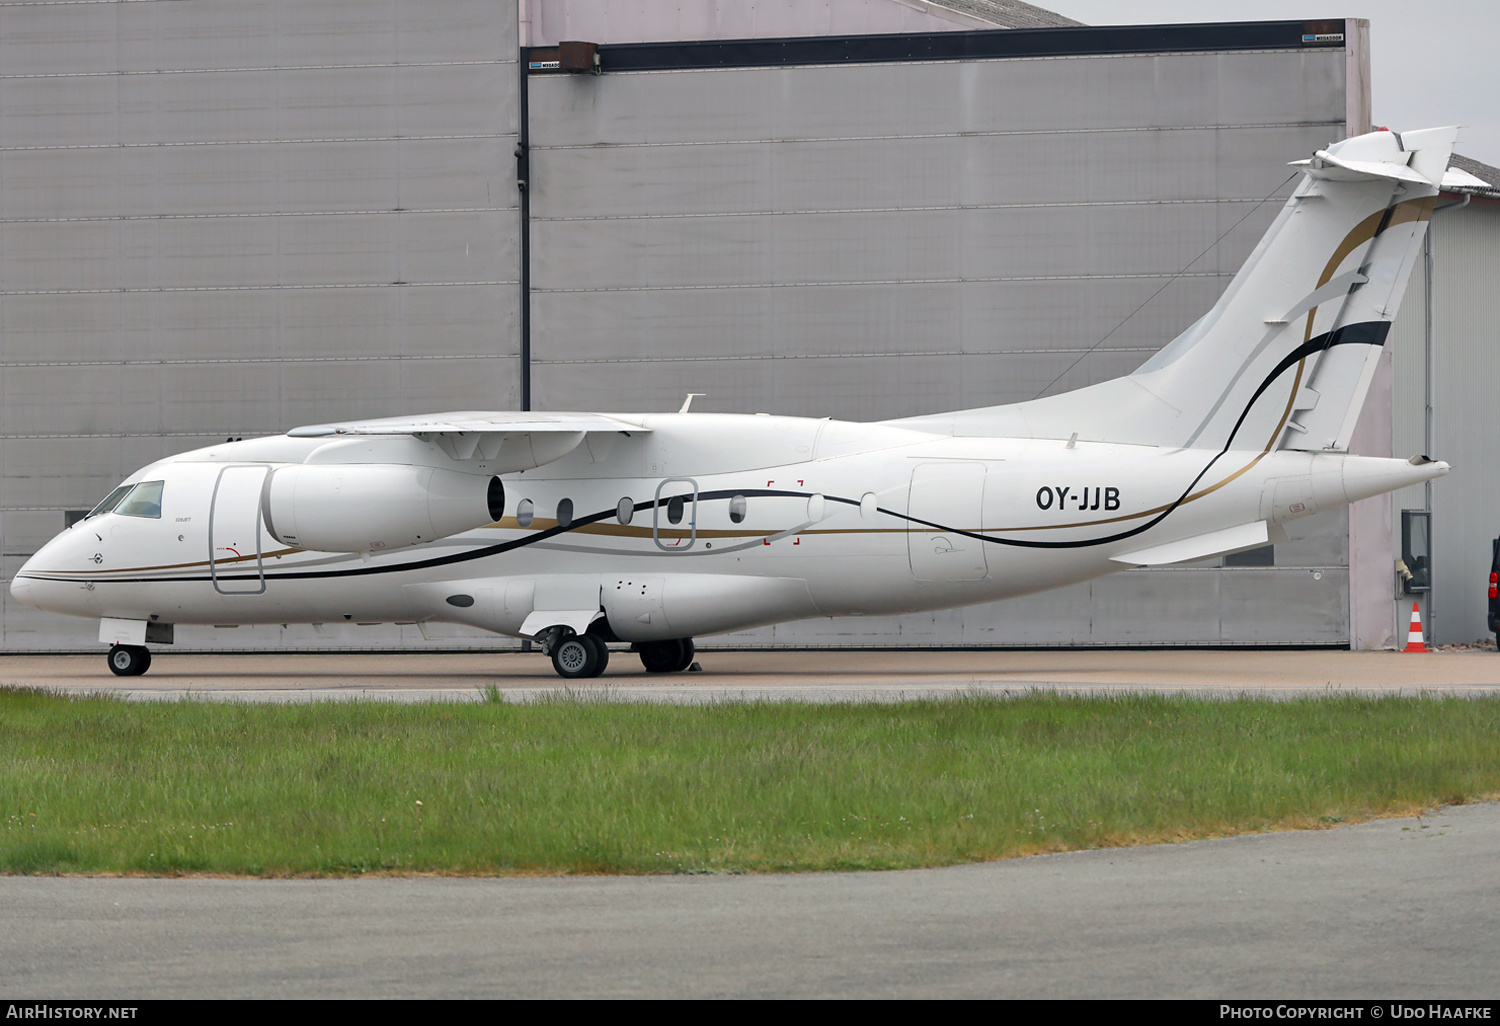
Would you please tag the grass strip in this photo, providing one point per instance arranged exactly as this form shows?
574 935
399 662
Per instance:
100 785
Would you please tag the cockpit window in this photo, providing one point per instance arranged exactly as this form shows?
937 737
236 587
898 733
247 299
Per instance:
144 500
110 501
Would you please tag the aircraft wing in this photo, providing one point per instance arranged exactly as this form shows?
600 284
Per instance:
466 421
514 440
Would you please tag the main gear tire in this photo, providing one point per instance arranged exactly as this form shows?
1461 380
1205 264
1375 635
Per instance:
672 656
601 651
579 657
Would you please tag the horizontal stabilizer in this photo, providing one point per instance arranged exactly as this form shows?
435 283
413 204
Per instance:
1458 178
1329 168
1215 543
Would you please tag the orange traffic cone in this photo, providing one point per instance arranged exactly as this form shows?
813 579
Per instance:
1414 636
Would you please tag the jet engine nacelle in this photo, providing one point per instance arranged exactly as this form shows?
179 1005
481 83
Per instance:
373 507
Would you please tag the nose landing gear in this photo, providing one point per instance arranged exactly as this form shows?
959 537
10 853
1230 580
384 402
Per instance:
128 660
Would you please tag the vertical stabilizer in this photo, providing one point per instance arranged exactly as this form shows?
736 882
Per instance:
1285 357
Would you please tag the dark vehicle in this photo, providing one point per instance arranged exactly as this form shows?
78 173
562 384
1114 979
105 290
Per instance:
1495 589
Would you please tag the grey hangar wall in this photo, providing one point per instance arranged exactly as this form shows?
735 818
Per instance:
245 216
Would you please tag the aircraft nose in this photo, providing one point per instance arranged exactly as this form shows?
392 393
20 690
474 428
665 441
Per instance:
30 584
21 587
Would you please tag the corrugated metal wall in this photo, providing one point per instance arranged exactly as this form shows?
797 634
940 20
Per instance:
1463 261
227 218
1466 384
882 240
548 22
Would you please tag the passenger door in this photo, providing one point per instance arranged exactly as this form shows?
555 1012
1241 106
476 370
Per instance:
235 559
948 498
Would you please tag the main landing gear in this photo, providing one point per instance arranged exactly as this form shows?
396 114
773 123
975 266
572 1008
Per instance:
578 656
129 660
672 656
581 656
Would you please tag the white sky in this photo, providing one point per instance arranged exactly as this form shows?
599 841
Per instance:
1430 64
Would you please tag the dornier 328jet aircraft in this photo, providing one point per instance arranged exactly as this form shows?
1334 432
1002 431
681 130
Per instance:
578 530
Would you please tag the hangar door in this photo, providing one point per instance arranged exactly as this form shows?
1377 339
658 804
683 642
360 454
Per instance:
885 226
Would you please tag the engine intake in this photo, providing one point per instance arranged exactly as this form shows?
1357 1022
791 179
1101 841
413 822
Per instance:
373 507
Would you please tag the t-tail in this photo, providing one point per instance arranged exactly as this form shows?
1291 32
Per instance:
1285 357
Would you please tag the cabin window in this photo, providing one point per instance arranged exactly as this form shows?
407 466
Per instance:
625 511
525 512
737 509
144 500
111 500
565 513
675 506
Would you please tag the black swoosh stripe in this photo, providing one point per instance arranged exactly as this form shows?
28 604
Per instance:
480 553
1371 333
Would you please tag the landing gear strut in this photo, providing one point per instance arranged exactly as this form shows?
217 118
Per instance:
667 656
578 656
129 660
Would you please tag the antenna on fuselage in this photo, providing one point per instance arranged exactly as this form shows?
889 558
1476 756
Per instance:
689 400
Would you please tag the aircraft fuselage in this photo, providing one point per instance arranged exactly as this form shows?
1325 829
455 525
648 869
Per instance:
746 520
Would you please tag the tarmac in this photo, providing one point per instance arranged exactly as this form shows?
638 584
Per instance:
779 674
1396 908
1391 909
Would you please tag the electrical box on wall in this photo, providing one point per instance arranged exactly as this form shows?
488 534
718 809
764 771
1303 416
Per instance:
578 58
1415 565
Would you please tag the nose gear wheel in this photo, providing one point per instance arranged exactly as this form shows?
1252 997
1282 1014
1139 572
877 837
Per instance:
128 660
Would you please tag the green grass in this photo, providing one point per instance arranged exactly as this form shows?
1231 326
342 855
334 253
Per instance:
96 784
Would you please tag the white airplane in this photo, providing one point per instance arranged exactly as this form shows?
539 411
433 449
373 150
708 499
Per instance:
580 530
